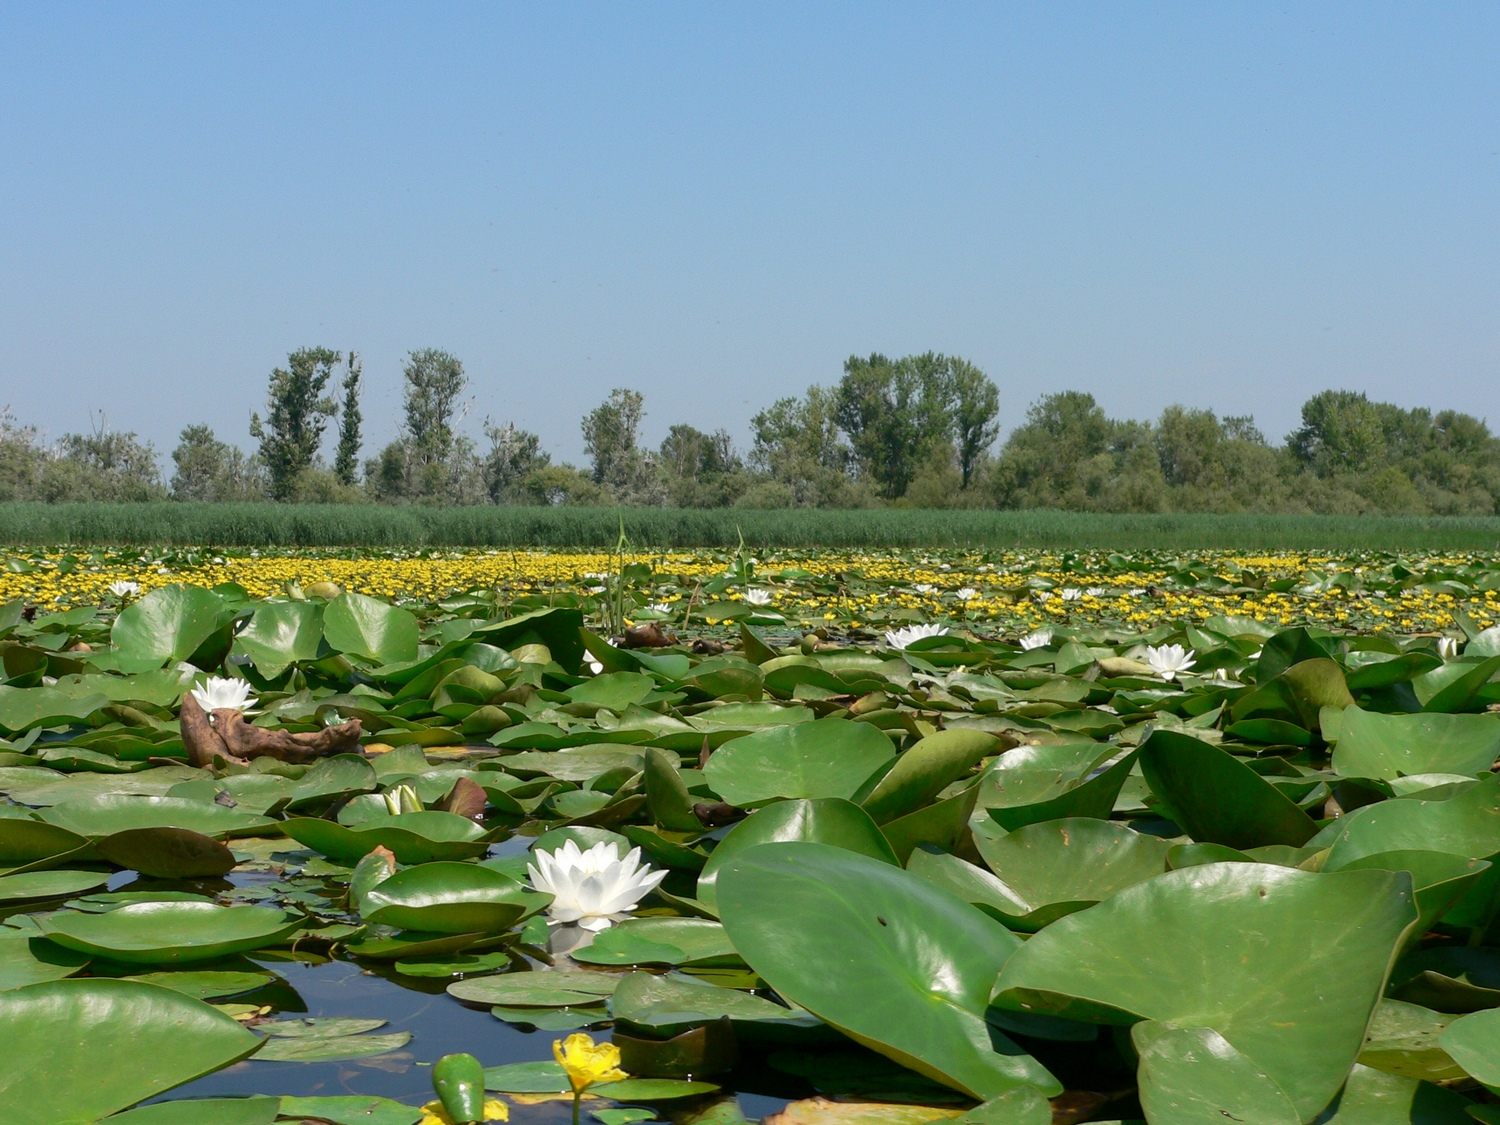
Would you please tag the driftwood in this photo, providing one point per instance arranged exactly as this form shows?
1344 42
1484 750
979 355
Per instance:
227 734
648 634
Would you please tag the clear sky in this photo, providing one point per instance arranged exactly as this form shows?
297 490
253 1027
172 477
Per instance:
1224 205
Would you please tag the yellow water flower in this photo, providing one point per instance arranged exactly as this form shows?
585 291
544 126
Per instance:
434 1114
587 1062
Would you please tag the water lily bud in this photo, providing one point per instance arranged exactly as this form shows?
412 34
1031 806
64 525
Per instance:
459 1082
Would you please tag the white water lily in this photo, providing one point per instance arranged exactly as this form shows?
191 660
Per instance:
1040 639
592 889
1097 591
660 607
595 666
924 587
1044 595
759 597
1447 647
219 693
1071 594
124 589
900 638
1168 660
966 593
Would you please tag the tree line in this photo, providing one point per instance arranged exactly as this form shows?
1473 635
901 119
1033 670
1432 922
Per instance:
916 431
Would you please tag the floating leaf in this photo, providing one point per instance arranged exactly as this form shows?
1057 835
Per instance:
132 1040
161 932
1326 940
819 923
826 758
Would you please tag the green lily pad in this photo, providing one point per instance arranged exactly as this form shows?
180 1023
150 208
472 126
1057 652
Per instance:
24 840
825 758
164 932
28 959
167 853
1057 867
132 1040
545 1077
1473 1042
1216 798
49 884
923 771
328 1048
674 1002
1034 784
166 625
831 820
369 628
661 941
451 898
1390 746
1374 1098
281 633
417 837
542 989
352 1109
107 814
1466 825
651 1089
1326 940
1193 1075
203 1111
1405 1038
820 923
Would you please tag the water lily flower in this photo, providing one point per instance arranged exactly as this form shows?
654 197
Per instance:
924 587
759 597
1168 660
1040 639
402 799
124 589
1071 594
595 666
1044 595
900 638
587 1062
592 889
219 693
659 607
433 1112
1447 647
966 593
1097 591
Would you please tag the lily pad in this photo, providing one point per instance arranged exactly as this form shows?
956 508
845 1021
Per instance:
1326 940
1057 867
540 989
1390 746
1473 1042
49 884
107 814
166 932
417 837
202 1111
661 941
819 923
825 758
831 820
28 959
1216 798
132 1040
451 898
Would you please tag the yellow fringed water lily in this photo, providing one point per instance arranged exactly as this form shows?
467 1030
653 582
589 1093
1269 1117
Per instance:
587 1062
434 1114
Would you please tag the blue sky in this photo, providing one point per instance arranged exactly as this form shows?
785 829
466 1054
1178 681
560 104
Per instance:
1223 205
